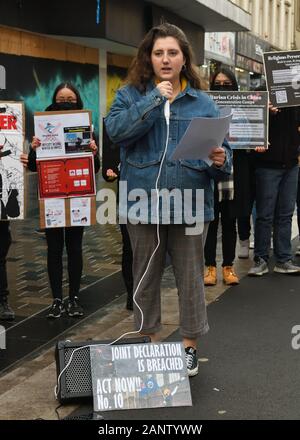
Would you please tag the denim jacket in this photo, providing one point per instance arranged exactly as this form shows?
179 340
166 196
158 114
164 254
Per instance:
136 122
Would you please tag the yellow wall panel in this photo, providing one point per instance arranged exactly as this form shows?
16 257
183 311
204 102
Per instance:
54 49
91 55
118 60
10 41
14 41
75 53
32 45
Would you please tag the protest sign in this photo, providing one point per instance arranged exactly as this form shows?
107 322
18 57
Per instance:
250 118
283 77
62 133
12 183
139 376
65 166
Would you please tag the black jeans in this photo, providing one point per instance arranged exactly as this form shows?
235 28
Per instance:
56 238
228 235
244 228
298 204
5 242
127 262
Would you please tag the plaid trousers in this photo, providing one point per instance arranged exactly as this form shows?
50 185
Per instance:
186 252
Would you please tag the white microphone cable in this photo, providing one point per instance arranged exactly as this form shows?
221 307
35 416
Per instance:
167 118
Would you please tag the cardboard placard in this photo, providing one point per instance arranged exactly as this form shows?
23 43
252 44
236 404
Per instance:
58 213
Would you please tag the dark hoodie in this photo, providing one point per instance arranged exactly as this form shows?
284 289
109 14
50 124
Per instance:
284 139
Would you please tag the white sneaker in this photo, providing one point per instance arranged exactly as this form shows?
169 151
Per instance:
243 249
288 267
259 269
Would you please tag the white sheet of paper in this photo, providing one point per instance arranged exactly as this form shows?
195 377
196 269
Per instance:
55 214
80 211
201 136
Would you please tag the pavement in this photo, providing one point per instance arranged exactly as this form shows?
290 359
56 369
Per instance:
27 388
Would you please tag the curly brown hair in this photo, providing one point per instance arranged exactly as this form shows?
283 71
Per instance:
141 70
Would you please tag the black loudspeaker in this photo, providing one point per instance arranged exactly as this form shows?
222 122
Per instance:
76 381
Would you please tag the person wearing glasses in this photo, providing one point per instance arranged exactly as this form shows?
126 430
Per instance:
233 197
223 80
65 97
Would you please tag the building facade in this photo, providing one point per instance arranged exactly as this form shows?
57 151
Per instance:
297 23
273 20
56 43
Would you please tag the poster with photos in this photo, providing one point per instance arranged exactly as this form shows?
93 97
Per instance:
62 133
72 212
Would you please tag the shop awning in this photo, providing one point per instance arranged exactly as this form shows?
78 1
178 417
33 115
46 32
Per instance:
212 15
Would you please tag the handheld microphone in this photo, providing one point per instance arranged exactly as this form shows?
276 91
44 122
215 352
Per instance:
167 111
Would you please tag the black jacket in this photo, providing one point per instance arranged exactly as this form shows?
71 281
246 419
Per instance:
110 156
284 139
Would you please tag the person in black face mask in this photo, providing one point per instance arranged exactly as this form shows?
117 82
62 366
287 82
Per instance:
234 200
65 97
223 80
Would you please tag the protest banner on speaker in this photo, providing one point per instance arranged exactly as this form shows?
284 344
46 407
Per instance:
139 376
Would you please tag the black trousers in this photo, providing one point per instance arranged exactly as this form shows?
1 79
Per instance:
228 234
298 204
244 224
56 238
245 190
5 242
127 262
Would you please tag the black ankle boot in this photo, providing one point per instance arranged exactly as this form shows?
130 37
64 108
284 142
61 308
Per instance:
6 313
129 304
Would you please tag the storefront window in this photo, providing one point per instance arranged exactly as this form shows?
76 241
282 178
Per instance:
204 75
243 79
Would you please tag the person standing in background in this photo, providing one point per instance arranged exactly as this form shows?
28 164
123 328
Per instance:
110 172
65 97
277 182
223 80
